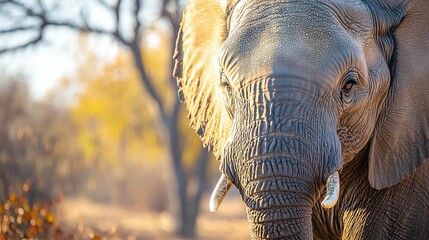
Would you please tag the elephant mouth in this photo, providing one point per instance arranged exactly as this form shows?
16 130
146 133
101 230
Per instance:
224 184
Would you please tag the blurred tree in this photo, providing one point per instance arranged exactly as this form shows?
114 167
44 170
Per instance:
34 18
36 146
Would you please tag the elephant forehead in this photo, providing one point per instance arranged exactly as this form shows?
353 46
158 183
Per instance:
308 42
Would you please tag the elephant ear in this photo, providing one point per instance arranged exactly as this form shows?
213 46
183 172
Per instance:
401 139
202 32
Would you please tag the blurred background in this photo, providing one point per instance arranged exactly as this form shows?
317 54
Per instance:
94 143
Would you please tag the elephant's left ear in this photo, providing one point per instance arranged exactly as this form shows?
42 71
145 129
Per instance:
401 139
202 33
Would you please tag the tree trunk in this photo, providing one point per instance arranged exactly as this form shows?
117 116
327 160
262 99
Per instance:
176 181
201 180
183 205
184 209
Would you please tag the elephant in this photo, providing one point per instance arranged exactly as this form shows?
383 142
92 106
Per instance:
318 111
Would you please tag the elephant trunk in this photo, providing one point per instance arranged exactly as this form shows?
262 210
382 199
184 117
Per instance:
297 225
282 181
281 207
279 198
281 186
279 158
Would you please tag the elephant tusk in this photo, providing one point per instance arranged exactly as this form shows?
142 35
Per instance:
219 192
332 191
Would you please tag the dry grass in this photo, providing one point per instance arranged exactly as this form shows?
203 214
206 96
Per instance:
101 221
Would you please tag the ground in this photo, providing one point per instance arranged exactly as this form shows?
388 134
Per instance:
103 221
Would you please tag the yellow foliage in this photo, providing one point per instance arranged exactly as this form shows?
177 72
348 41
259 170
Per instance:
111 116
112 113
19 221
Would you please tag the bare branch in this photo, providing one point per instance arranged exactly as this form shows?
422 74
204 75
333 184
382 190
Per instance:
137 36
116 9
28 11
25 45
45 21
17 29
78 27
117 16
134 45
170 10
147 82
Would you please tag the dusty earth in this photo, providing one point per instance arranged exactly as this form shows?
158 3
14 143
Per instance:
90 220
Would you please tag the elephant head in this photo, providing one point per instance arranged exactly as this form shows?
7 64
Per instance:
286 93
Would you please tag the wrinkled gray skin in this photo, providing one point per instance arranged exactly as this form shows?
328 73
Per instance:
317 86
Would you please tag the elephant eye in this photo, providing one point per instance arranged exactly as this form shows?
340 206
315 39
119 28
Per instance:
228 96
225 84
227 87
348 87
